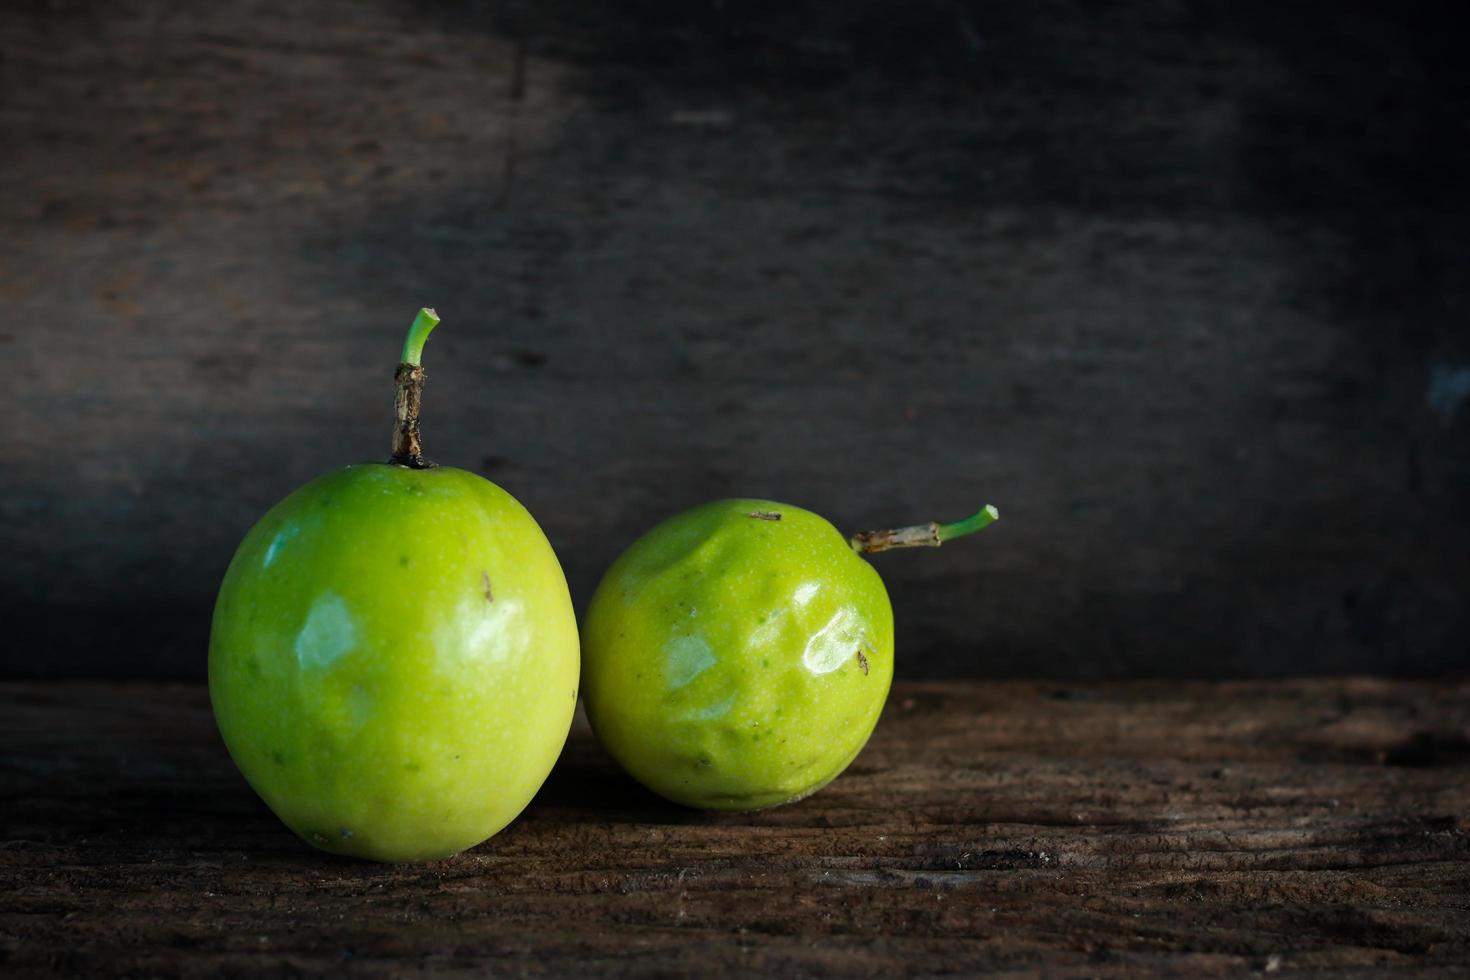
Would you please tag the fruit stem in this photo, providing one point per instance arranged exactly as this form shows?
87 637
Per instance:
930 535
408 449
413 344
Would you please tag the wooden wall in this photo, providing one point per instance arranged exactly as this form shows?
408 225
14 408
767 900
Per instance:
1182 288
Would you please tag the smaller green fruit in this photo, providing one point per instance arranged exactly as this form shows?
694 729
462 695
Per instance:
738 655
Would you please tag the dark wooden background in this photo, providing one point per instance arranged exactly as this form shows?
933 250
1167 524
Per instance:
1181 287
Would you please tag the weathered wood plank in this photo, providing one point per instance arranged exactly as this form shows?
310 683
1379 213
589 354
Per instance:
1178 286
1097 830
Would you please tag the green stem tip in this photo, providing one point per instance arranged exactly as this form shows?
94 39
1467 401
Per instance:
978 521
930 535
413 345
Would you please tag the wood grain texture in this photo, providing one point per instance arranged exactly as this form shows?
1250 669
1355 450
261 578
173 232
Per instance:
1177 286
1209 829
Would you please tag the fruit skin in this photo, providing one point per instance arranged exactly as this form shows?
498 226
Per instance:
732 662
393 661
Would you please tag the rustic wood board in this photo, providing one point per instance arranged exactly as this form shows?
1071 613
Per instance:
1080 830
1179 287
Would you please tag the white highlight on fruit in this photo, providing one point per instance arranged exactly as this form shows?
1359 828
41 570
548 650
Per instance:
274 548
833 644
480 632
327 634
685 658
806 592
766 633
493 628
717 710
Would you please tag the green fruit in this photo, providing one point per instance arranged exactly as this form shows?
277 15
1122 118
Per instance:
393 661
738 655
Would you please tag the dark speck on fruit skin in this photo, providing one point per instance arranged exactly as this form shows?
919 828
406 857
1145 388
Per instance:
403 561
278 757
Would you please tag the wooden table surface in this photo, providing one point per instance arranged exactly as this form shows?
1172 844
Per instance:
1081 830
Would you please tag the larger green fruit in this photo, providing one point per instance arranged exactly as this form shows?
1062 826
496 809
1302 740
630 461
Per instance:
393 662
738 655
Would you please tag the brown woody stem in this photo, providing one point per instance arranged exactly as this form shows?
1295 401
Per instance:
408 447
930 535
